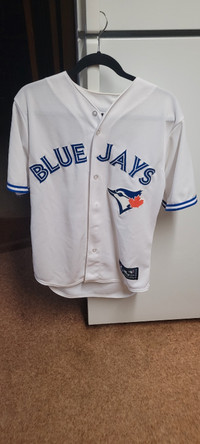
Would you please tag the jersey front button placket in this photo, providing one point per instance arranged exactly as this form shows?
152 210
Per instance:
94 221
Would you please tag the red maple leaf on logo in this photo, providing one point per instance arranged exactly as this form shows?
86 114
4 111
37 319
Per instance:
136 202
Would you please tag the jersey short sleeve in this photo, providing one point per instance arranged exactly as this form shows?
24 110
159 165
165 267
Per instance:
179 178
17 177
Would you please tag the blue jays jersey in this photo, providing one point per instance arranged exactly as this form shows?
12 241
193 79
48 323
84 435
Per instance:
98 167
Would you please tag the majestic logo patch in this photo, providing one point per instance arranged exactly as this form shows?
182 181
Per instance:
126 199
129 273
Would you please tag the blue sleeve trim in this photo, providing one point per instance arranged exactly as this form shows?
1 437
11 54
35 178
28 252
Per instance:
179 206
17 189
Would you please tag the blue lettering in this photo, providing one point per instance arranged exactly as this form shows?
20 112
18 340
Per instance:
121 160
49 166
147 174
137 167
65 159
60 159
39 172
107 155
78 151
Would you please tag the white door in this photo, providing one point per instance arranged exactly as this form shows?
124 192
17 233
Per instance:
172 62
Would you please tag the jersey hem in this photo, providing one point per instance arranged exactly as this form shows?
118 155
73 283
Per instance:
105 296
54 287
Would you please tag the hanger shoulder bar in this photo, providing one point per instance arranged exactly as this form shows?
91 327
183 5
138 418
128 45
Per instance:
99 58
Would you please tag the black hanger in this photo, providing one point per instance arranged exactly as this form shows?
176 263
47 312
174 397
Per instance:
99 58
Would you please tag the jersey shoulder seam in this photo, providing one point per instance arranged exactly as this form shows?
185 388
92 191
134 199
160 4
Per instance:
20 111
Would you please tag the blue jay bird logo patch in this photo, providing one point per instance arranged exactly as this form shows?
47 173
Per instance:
126 199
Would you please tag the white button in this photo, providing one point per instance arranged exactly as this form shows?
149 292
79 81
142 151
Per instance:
94 113
96 176
98 132
94 250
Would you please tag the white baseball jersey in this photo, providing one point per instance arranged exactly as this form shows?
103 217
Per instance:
98 167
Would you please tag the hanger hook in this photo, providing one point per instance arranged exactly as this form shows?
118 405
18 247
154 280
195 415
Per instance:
101 32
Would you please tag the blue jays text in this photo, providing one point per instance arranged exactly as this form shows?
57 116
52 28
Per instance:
64 158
